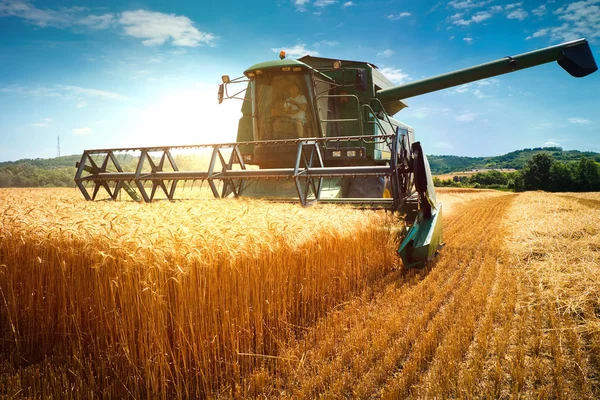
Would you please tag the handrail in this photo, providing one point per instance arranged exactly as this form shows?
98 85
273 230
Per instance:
327 96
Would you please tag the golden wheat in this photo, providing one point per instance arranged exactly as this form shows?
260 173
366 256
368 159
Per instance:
169 299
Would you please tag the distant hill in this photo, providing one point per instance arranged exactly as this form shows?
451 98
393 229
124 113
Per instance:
45 163
39 172
515 160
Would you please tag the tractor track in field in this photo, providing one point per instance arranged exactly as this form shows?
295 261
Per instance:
474 326
586 202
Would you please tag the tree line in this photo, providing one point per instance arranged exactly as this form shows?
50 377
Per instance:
514 160
541 172
27 175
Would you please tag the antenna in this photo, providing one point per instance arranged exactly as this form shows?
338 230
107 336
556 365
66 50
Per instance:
58 146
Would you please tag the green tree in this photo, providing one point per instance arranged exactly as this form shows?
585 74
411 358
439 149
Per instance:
588 176
519 181
490 178
536 174
561 179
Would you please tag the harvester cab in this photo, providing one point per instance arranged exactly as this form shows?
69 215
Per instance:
331 101
319 129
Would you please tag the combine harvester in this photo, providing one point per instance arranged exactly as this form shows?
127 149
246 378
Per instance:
319 129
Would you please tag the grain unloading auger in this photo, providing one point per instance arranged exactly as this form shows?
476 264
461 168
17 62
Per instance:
317 129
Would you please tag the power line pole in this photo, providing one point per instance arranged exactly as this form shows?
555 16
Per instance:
58 146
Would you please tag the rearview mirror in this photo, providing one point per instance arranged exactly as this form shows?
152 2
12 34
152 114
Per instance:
225 79
221 92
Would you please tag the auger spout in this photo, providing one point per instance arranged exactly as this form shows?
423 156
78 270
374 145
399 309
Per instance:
574 57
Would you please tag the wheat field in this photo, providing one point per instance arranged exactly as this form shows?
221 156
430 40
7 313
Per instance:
248 299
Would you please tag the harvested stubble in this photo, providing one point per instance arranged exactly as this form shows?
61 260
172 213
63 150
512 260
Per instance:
557 247
510 310
452 198
171 300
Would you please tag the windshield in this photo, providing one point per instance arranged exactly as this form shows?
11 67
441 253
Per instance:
285 107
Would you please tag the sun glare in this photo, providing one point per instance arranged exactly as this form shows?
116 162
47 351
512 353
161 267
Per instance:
186 117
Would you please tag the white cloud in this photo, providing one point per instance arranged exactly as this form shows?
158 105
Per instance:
330 43
156 28
45 122
540 11
386 53
63 91
582 121
468 40
476 88
519 14
462 22
81 104
395 17
395 75
550 144
581 19
495 9
98 21
43 92
419 113
324 3
466 4
77 90
348 4
296 51
42 18
544 125
61 18
300 5
466 117
82 131
513 5
539 33
477 18
481 16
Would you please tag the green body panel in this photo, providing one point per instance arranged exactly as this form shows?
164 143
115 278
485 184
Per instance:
422 240
245 130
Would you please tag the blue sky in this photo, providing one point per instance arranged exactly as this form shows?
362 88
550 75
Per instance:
105 74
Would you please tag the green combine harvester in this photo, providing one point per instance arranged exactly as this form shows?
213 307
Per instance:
319 130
